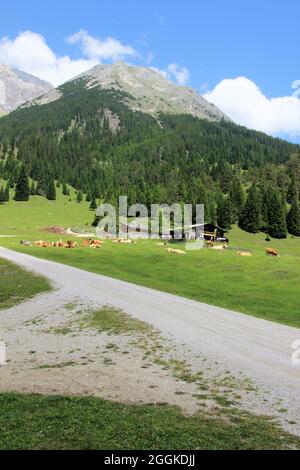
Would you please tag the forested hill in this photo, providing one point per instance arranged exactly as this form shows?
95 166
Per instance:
91 139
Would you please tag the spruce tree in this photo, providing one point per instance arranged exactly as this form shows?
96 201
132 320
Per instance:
293 218
51 191
93 204
293 191
237 199
2 196
276 215
6 192
79 197
250 219
39 190
22 186
224 213
65 190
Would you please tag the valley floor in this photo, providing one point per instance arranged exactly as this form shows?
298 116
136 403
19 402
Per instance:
195 356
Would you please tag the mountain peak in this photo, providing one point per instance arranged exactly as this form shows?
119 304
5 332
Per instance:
17 87
152 92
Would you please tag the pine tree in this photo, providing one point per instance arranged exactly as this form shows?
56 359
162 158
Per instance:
93 204
293 218
276 215
224 213
250 219
79 197
22 186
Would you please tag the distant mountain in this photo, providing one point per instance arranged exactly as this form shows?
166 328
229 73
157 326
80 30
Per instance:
147 91
17 87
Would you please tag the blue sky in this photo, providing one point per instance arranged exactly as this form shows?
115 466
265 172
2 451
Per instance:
255 44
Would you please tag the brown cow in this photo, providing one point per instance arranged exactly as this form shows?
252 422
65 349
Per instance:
70 244
272 252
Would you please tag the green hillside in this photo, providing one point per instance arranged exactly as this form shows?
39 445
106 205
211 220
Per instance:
70 139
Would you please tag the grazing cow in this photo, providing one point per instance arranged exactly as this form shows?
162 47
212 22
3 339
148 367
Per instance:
244 253
272 252
176 252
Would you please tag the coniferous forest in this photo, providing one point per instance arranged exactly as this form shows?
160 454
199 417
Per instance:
241 176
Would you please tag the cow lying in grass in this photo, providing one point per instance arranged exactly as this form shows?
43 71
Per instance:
244 253
59 244
176 252
91 243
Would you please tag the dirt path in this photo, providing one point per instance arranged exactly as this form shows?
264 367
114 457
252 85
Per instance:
256 353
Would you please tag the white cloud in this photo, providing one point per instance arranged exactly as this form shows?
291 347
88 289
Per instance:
30 53
175 73
96 49
243 101
180 74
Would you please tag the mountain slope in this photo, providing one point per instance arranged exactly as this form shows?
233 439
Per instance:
89 137
148 91
17 87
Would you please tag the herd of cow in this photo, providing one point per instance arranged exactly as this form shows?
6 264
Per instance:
95 244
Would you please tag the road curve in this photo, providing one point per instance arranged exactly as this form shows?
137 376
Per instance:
258 348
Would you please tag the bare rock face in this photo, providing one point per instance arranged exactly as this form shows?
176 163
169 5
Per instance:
18 87
152 93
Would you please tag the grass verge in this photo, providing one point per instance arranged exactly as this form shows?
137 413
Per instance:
41 422
17 285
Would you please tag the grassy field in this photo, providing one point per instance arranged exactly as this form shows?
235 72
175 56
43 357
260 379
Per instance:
36 422
261 286
17 285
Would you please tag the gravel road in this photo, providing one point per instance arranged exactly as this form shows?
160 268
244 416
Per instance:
258 349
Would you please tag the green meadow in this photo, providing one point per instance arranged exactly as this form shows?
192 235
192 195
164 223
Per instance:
261 286
45 423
